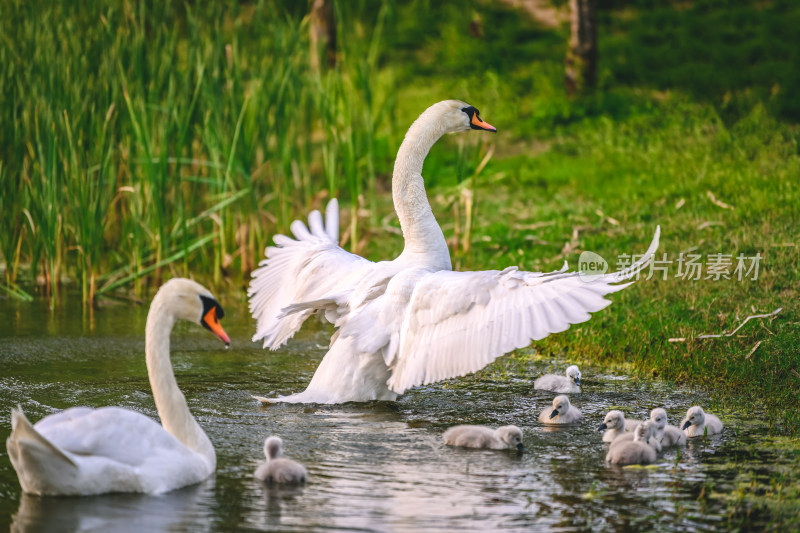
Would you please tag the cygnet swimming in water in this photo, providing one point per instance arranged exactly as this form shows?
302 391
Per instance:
666 434
633 452
651 440
279 469
616 425
569 384
560 413
483 437
697 423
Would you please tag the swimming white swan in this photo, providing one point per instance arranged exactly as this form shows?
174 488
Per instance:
561 412
634 451
483 437
278 469
666 434
411 321
569 384
84 451
697 423
630 435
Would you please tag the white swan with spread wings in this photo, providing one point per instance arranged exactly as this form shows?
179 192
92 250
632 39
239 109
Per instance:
411 321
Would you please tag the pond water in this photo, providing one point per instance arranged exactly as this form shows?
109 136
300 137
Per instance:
377 466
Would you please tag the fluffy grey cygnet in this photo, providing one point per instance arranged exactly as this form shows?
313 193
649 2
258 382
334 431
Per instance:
569 384
483 437
666 434
698 422
632 452
562 412
616 425
630 436
279 469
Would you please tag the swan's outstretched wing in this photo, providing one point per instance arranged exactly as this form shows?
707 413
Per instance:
458 322
298 270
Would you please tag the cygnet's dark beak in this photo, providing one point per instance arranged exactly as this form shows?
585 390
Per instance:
602 426
521 447
686 424
578 381
554 413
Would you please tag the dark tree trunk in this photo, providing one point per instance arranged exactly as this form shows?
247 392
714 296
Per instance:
581 63
322 28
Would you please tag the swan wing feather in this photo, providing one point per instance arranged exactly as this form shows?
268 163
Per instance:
458 322
118 434
309 267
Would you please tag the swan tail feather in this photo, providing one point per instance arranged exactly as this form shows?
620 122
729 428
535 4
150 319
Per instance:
35 458
22 431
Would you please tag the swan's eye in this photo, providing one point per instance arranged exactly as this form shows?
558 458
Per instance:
210 303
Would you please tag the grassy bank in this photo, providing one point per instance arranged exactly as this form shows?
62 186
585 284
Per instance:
143 141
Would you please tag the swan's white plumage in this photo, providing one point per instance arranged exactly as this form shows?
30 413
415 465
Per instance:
672 436
82 451
650 427
616 425
630 425
613 424
567 384
483 437
665 433
308 267
699 423
560 413
411 321
279 469
634 450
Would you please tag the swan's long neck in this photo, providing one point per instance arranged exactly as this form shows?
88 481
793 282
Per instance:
170 401
424 241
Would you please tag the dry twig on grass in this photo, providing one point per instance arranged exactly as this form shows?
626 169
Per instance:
716 202
716 336
753 350
766 315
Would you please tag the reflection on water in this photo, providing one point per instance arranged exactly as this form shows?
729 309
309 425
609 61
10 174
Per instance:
275 498
374 466
181 510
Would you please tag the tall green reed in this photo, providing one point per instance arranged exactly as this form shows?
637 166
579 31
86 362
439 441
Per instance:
154 139
14 217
